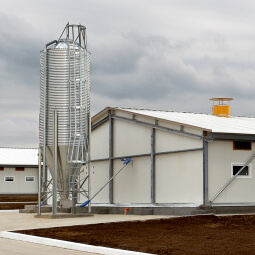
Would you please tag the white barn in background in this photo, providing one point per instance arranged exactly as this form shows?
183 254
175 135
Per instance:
180 161
18 171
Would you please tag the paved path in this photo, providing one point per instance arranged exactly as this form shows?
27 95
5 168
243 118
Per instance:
13 247
17 221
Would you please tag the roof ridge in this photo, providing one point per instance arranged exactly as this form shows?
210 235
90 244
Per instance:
154 110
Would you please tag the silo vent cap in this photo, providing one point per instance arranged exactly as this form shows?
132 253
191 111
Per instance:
221 108
221 99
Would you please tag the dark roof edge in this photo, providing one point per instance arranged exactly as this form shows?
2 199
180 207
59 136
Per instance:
18 165
15 148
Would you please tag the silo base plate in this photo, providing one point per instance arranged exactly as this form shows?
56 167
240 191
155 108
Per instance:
63 215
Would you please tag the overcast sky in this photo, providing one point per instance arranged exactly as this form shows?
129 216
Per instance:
155 54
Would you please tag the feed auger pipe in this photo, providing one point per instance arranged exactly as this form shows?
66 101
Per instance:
126 161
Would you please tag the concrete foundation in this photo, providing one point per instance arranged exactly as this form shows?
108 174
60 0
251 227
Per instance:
175 210
63 215
34 209
44 209
149 210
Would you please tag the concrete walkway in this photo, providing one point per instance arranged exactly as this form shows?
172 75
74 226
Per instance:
18 221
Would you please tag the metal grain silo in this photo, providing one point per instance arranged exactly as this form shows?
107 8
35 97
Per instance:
65 92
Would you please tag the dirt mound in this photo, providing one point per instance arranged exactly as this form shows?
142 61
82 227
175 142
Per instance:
184 235
8 202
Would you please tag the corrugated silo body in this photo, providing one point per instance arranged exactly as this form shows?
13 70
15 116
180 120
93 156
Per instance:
65 88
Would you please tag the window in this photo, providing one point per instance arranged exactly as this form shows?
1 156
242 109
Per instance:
20 169
1 168
241 145
29 179
245 173
9 179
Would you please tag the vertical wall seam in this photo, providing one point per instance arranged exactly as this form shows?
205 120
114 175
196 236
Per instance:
153 193
205 171
110 157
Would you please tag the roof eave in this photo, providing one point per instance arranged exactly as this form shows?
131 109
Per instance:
96 118
231 136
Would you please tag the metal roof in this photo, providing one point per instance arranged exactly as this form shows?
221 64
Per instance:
212 123
19 157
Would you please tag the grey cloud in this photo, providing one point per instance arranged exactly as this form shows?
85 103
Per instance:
15 132
157 71
171 55
19 50
19 84
162 67
146 65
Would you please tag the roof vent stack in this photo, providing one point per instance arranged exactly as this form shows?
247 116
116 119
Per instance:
221 107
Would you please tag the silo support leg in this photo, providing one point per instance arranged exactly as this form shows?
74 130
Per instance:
55 162
39 182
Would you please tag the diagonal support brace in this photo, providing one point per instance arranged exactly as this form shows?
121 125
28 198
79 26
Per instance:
233 177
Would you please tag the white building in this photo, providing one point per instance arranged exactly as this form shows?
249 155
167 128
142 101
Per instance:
179 160
18 171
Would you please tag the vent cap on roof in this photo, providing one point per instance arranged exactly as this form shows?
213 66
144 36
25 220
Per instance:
221 107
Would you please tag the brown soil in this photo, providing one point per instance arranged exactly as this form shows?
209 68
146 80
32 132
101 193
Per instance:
13 199
18 198
196 235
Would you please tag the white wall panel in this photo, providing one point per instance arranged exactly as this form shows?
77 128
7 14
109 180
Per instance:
99 176
166 179
169 125
188 129
19 186
130 139
195 131
132 184
190 177
145 119
100 142
166 141
123 114
221 155
9 187
179 178
83 175
28 187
